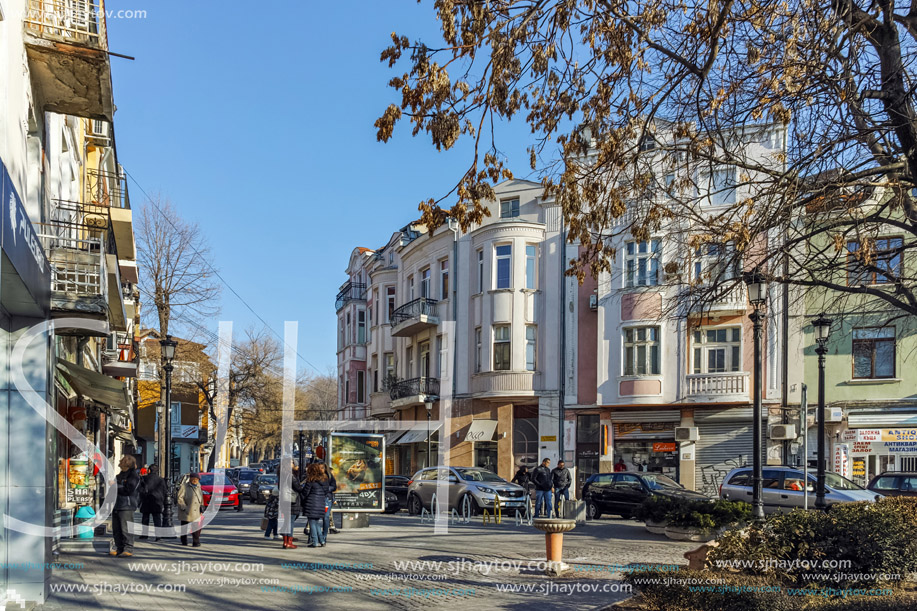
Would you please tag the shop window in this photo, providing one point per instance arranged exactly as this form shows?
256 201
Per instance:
641 351
717 350
874 353
485 455
525 441
587 428
502 348
641 263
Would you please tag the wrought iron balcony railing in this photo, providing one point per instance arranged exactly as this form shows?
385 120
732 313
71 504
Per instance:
79 22
107 189
77 257
414 387
352 291
413 309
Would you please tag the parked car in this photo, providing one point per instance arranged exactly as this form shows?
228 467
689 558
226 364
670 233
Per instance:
256 466
244 479
260 488
233 474
468 488
782 488
231 496
398 485
894 484
392 504
621 493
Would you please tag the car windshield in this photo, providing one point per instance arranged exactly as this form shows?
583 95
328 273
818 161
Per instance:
267 479
207 480
832 480
655 482
247 476
479 475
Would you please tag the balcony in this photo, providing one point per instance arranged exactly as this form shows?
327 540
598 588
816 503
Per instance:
121 361
505 383
727 387
380 405
415 391
351 291
414 317
67 48
717 301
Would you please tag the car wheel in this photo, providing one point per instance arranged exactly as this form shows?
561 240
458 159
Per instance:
592 511
414 505
468 507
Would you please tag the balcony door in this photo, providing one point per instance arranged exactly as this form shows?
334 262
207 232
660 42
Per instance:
425 360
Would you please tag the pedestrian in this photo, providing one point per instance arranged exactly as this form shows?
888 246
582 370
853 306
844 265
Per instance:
291 494
315 493
190 504
271 511
543 481
152 500
620 465
561 479
328 520
522 477
122 517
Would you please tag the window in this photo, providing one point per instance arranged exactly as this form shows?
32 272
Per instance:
440 356
369 313
423 350
361 386
361 327
425 284
390 296
530 253
641 351
721 186
530 331
509 208
347 390
485 455
717 350
477 350
716 262
409 354
348 335
502 345
642 263
389 371
881 266
444 279
874 353
481 270
375 380
411 287
504 266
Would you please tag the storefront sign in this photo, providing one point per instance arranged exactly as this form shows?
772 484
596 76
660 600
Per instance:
859 471
358 465
21 244
842 459
549 437
899 435
78 490
665 447
874 435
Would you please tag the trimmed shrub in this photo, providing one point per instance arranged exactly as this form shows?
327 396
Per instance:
655 508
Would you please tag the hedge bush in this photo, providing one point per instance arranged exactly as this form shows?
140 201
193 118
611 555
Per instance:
689 513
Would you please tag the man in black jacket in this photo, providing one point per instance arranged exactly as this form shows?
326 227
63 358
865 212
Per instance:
541 477
152 499
561 479
122 516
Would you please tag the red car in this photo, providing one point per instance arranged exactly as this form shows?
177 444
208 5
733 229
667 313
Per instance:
231 496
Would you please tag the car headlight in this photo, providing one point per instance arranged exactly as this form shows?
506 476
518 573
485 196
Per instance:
487 490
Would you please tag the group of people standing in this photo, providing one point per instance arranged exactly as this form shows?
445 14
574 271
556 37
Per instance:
311 496
545 482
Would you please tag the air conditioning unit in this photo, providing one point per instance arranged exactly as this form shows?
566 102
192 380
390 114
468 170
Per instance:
686 433
593 302
834 414
782 432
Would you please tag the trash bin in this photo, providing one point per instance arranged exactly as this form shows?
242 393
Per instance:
84 514
573 510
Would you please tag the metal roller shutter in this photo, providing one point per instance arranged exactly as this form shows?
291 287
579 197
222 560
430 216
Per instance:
721 447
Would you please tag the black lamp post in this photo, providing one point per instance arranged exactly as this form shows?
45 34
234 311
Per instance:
822 327
757 296
428 403
165 450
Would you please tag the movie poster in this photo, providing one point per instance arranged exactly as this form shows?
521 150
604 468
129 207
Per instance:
358 465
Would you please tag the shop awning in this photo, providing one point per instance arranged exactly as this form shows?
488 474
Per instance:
63 386
95 386
481 430
418 434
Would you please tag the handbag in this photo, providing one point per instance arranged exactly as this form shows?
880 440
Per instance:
263 523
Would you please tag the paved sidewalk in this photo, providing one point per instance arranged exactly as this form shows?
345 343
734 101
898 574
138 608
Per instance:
369 568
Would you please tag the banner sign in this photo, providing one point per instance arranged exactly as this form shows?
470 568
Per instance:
358 465
78 482
842 459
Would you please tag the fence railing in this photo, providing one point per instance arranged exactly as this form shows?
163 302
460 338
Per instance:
352 291
107 189
729 383
413 309
74 21
77 257
413 387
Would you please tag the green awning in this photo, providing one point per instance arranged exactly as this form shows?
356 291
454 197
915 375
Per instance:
95 386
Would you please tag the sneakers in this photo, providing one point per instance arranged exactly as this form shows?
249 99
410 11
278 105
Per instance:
125 555
113 552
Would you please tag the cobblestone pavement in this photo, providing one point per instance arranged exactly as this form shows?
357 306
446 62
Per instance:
396 563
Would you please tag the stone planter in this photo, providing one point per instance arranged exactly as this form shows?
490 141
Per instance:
554 530
657 528
689 533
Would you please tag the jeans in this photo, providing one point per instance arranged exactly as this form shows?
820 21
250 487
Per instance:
326 522
195 535
316 536
124 540
145 520
560 492
271 528
543 497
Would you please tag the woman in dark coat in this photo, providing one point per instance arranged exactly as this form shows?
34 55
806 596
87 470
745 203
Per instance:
315 491
152 499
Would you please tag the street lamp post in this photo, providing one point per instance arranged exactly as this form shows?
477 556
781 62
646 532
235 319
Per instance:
757 296
822 327
428 403
165 450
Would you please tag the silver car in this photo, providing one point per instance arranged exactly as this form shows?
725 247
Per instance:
782 488
469 490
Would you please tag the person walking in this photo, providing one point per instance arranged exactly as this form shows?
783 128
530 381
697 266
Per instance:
152 500
190 505
271 511
543 481
328 519
293 495
561 479
122 517
315 493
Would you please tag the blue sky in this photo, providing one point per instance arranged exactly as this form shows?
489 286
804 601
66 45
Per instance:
256 120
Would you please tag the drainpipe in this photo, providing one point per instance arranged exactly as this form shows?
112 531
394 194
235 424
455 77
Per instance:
563 338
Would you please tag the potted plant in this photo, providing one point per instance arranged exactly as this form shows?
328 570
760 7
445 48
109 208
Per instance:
653 512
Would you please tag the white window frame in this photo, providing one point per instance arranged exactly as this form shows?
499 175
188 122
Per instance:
426 284
499 339
731 348
509 208
633 344
646 254
390 302
721 184
480 270
498 258
716 262
531 347
361 326
444 279
478 352
531 266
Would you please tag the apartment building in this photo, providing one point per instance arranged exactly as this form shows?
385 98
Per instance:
68 297
469 323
